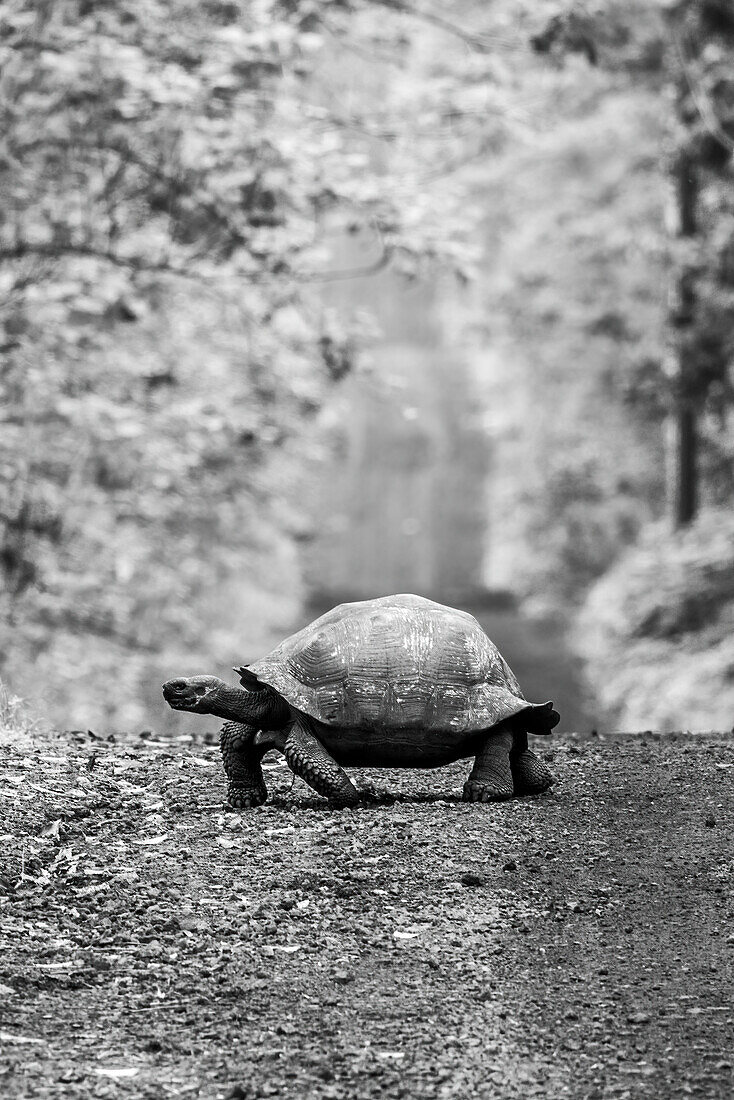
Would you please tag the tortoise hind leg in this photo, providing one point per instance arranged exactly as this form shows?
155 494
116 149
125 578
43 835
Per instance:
307 757
491 777
241 758
529 774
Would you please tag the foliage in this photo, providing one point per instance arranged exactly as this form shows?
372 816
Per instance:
682 52
656 631
572 297
16 723
174 175
188 138
139 523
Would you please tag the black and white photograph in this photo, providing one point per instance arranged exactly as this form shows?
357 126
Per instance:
366 549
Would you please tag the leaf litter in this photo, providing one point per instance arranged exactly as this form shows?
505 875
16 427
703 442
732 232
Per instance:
177 940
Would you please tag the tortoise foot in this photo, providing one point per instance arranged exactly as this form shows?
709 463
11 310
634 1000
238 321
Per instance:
477 791
529 774
340 802
246 798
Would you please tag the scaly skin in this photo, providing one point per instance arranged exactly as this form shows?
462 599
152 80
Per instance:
241 758
308 758
491 778
529 774
263 709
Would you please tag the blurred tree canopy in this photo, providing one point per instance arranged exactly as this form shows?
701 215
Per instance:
171 175
683 51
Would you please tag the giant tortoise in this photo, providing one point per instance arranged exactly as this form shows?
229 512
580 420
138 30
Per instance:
397 682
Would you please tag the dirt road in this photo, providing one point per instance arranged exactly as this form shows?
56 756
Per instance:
575 945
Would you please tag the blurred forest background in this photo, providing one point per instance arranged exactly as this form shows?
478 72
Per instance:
304 299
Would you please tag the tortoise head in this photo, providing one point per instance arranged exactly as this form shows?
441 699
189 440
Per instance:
194 693
258 705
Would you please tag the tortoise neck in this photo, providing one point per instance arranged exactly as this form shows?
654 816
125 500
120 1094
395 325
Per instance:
262 709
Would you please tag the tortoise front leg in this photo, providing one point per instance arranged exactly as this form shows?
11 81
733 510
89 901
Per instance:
307 757
491 778
529 774
241 758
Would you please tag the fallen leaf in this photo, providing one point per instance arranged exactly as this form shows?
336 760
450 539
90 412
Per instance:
226 842
117 1071
9 1037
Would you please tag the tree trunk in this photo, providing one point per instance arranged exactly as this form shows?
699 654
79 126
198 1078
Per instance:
684 437
686 466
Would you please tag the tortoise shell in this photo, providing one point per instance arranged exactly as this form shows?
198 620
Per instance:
398 662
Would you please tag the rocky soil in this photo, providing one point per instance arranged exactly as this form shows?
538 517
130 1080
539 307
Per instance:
156 945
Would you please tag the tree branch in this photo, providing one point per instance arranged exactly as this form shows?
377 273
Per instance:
482 43
705 108
348 273
59 251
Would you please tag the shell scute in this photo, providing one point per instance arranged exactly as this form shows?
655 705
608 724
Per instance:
365 697
321 661
411 702
332 703
449 708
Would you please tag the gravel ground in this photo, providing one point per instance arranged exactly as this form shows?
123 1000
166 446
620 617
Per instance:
154 944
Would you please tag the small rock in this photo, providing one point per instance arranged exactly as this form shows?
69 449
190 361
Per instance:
343 977
98 962
510 865
470 879
710 821
638 1018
